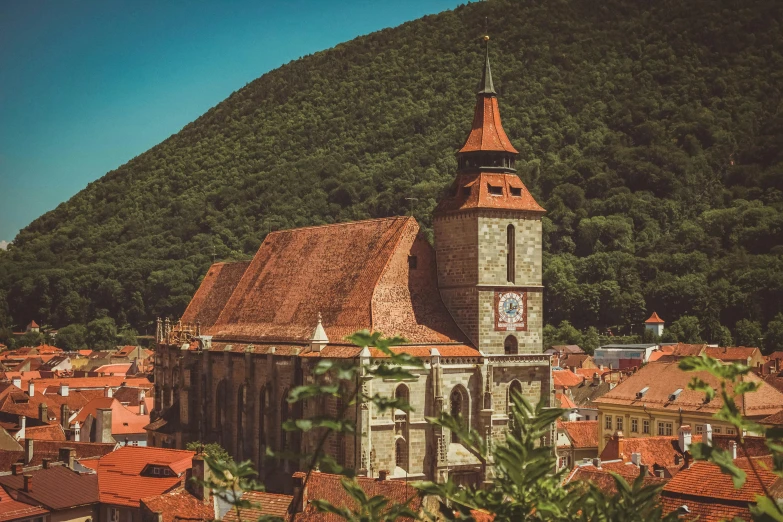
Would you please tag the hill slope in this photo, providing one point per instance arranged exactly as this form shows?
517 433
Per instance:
652 135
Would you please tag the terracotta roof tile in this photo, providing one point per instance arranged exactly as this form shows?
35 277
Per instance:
732 354
566 378
603 479
266 504
663 378
472 191
564 401
123 421
214 292
180 505
50 449
11 509
57 487
327 486
298 273
583 434
654 319
119 474
486 133
49 432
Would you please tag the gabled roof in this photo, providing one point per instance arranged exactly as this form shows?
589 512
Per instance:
123 421
47 432
120 482
588 391
355 274
181 505
270 504
57 487
662 379
602 476
213 293
583 434
732 354
566 379
50 449
11 509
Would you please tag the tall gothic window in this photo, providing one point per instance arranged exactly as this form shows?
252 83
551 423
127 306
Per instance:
511 345
241 400
401 453
262 399
459 408
220 410
510 254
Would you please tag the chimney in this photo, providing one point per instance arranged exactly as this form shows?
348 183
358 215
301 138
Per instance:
383 474
30 388
733 448
43 413
108 392
300 493
77 432
28 483
46 463
620 445
706 437
16 469
199 474
643 470
103 425
28 451
65 390
142 404
65 416
636 458
597 463
17 381
22 427
596 378
684 434
687 458
67 456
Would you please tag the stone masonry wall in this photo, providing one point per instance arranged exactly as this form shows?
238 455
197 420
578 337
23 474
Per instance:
491 341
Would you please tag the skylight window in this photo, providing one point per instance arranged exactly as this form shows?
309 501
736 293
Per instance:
516 192
495 191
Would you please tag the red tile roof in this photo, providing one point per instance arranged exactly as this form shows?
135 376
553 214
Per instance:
663 378
602 476
654 319
710 494
732 354
326 486
566 378
119 473
583 434
116 369
564 401
123 421
50 449
472 191
659 451
11 509
355 274
214 292
776 419
265 504
57 487
49 432
486 133
180 504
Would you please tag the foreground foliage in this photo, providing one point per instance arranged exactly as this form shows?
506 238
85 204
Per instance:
650 132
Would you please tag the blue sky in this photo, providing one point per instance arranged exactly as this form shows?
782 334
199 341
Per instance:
87 85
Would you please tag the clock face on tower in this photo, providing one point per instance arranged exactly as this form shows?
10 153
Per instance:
510 310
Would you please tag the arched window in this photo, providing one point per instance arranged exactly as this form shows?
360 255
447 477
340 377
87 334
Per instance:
283 418
401 453
204 400
459 408
511 345
262 400
241 401
402 393
511 254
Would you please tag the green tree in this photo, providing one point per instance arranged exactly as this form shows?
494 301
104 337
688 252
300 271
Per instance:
722 336
102 334
748 333
686 329
591 340
72 337
773 338
7 337
128 337
211 449
31 339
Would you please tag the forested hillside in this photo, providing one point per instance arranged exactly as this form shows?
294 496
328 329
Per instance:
652 132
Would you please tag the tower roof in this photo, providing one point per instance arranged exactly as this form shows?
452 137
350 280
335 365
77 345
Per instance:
486 133
654 319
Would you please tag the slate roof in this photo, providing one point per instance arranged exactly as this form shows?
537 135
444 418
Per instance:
583 434
327 486
120 482
663 378
266 504
355 274
180 504
57 487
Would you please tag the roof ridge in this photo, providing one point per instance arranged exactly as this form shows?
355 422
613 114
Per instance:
344 223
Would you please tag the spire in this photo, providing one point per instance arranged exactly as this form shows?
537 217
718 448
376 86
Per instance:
319 338
486 87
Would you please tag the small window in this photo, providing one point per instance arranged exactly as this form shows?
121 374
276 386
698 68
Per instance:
167 472
495 191
413 262
156 471
699 429
619 423
466 191
634 425
665 429
646 427
731 431
716 430
516 192
608 422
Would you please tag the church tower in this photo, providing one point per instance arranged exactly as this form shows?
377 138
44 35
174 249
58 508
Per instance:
488 239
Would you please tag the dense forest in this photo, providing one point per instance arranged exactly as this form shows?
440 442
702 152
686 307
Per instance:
652 132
